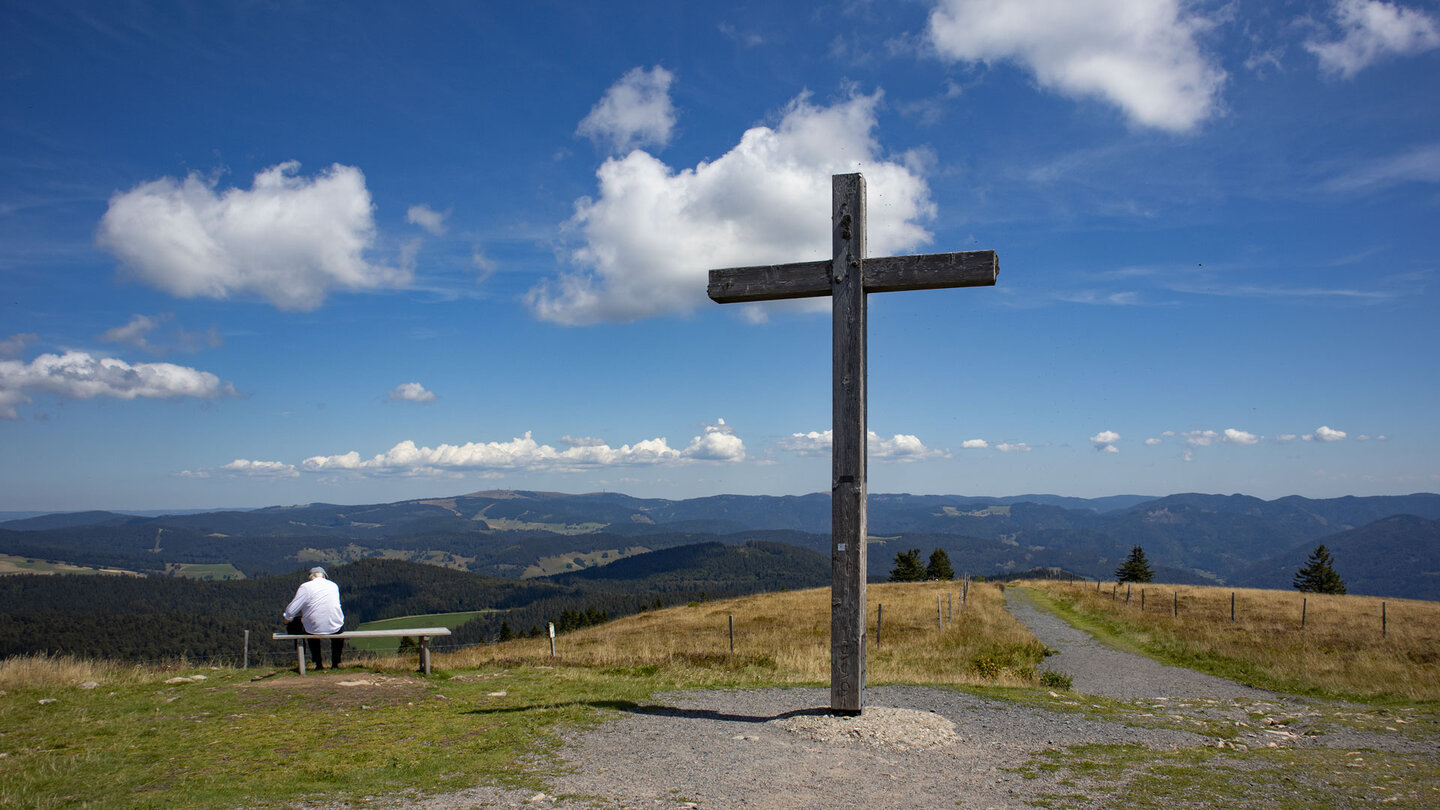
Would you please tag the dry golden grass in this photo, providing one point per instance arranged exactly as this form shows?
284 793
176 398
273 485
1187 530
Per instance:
785 638
1341 650
780 638
47 671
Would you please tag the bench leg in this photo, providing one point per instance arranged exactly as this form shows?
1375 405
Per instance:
300 654
425 654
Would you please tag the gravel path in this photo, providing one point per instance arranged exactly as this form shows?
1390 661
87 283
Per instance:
1096 669
913 747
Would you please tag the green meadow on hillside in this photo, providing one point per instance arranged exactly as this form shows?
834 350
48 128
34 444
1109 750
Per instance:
389 646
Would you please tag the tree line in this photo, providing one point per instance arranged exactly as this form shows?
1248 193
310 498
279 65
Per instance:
908 567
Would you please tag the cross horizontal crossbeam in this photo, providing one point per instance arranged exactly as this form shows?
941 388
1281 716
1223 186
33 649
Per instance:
926 271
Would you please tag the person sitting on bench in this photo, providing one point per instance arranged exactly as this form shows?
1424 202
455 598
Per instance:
316 610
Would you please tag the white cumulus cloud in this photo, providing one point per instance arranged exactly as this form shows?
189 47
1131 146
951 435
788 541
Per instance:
288 239
636 111
1195 438
899 447
1004 447
1205 438
79 375
652 233
259 469
718 443
427 218
1371 30
1324 434
1105 440
1141 55
1233 436
813 443
411 392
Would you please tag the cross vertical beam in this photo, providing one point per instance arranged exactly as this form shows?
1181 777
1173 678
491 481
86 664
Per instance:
847 277
849 428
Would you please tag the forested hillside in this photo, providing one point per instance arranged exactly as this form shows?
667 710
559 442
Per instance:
126 617
160 617
1370 559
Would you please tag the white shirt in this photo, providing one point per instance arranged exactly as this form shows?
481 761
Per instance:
317 603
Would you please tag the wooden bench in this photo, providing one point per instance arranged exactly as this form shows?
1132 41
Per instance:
423 633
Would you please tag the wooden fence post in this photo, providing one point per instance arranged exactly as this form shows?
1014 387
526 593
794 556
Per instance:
1177 604
732 633
939 614
1127 593
1232 606
247 650
879 622
1304 608
1384 622
1142 600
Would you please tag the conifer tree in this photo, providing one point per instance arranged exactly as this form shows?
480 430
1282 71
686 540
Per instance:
908 567
939 566
1135 568
1318 575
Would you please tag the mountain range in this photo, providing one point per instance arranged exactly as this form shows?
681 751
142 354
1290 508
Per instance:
1383 545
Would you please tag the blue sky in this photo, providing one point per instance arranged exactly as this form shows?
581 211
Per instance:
275 253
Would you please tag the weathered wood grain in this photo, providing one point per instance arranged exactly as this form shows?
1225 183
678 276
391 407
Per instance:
926 271
849 428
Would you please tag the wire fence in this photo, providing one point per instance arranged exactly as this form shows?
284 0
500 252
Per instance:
260 658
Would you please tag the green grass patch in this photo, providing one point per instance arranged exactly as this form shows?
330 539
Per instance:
577 561
213 571
1291 779
1177 715
989 511
11 564
508 525
231 742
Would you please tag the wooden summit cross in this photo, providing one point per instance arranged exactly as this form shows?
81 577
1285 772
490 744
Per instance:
846 278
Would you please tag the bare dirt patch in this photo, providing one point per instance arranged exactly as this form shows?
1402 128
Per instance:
341 690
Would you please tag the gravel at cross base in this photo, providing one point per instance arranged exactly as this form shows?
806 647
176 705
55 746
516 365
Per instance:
913 747
759 749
